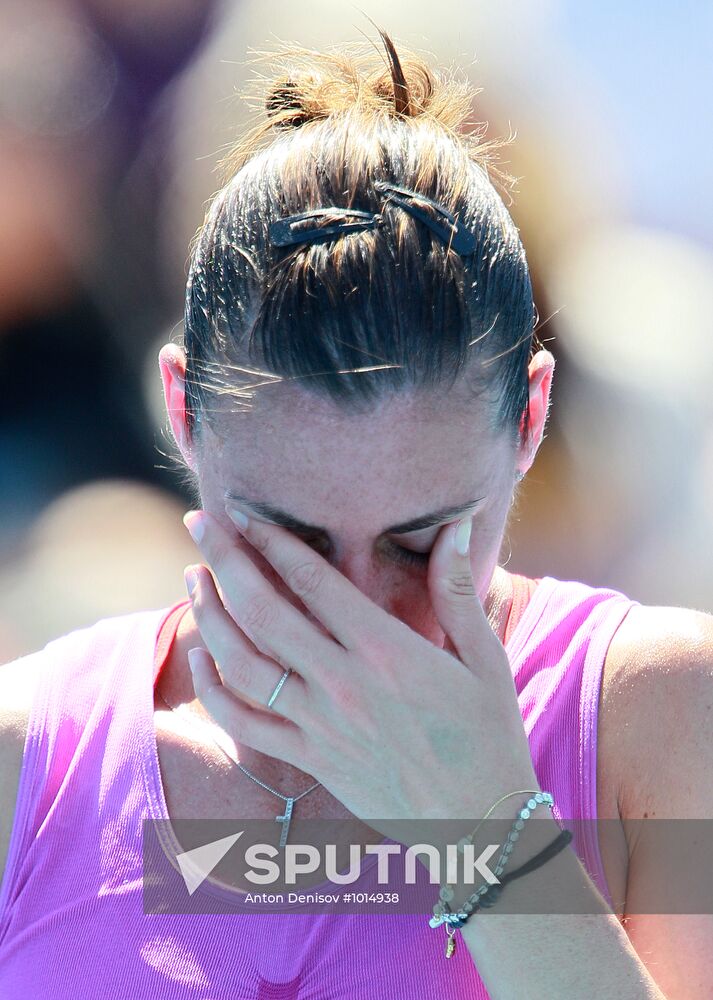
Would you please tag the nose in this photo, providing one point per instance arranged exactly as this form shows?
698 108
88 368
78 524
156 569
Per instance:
402 593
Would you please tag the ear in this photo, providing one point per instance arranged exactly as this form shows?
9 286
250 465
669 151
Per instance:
172 362
541 369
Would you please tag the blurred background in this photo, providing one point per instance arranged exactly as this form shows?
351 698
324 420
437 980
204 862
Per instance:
113 114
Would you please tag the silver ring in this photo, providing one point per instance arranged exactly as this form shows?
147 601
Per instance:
278 687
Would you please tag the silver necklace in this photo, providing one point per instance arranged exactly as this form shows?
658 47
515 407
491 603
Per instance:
289 800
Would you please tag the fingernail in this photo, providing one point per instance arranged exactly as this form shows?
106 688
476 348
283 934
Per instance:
193 659
237 517
191 578
195 523
462 536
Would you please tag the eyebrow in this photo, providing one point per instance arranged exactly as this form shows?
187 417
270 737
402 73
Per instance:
293 524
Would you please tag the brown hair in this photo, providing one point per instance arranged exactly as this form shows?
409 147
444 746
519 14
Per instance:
364 314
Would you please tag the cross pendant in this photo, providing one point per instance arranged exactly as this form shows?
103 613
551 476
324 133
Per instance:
285 820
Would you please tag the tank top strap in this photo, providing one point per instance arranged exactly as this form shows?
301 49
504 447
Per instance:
167 634
523 589
558 673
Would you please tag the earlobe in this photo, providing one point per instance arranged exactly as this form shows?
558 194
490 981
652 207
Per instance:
172 364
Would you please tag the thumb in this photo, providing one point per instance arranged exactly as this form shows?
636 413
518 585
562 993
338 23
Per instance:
453 595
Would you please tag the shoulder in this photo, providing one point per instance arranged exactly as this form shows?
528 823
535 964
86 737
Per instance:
656 710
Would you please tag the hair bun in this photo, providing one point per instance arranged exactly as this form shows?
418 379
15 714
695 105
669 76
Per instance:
302 86
308 86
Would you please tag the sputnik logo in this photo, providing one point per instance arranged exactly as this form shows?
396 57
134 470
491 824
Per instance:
196 865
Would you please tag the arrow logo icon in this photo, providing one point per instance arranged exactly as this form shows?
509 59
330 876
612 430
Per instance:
196 865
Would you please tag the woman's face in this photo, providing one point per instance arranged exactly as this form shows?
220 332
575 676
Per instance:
349 485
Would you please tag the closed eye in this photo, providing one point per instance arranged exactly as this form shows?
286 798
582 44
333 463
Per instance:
411 558
407 557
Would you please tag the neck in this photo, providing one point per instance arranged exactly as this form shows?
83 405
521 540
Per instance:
498 602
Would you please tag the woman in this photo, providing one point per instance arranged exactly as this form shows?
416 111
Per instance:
357 396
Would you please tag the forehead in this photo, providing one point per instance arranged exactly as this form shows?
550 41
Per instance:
406 455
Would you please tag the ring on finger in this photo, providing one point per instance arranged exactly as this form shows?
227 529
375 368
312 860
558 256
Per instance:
278 687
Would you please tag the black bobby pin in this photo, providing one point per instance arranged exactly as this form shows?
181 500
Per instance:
286 232
450 230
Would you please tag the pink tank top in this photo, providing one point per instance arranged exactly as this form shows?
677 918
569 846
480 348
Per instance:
72 921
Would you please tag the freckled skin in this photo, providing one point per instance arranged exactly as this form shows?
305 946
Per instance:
355 475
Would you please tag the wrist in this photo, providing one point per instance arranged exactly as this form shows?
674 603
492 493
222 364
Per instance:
543 874
505 856
496 839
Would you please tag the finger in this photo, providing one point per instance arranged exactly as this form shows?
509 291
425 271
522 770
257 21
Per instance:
244 671
455 600
263 731
275 626
333 599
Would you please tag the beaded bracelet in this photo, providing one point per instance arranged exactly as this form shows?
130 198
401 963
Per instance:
493 893
441 910
446 893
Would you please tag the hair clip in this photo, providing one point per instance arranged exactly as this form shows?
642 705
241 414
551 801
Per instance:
450 230
285 232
